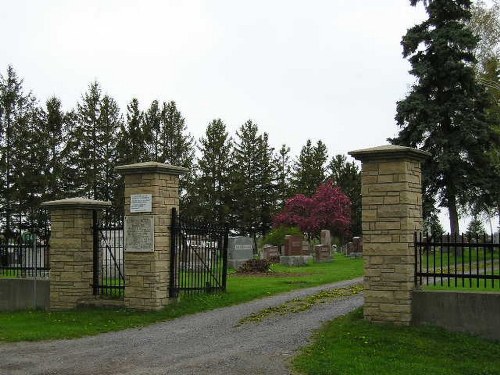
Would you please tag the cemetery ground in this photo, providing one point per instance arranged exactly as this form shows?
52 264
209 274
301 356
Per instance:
345 345
42 325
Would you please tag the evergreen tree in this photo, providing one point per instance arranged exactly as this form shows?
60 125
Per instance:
132 147
152 130
16 113
310 168
283 168
177 145
211 186
246 180
444 111
432 227
347 176
56 125
91 148
476 228
266 189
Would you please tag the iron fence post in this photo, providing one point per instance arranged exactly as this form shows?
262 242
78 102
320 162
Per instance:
224 257
173 258
95 240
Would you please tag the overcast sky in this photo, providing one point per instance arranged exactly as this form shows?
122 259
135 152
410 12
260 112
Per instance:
330 70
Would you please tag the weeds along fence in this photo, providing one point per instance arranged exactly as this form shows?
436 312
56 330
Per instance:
24 246
457 261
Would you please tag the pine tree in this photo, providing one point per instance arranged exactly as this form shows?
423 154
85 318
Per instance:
310 168
211 187
444 111
347 176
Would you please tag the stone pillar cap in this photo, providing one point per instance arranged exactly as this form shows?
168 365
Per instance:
150 167
389 152
77 203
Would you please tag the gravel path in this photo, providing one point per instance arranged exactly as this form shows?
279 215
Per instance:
203 343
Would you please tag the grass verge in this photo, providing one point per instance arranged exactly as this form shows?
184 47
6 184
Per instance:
298 305
351 346
42 325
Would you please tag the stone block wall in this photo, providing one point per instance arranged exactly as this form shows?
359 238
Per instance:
71 251
147 274
391 213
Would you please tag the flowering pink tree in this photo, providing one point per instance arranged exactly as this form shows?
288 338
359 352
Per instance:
328 208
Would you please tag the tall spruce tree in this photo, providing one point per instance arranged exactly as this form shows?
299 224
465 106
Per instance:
284 169
347 176
152 130
444 112
310 168
250 182
91 148
267 188
211 186
132 147
16 114
56 125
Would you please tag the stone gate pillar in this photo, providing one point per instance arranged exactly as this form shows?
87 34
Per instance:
71 251
151 191
391 212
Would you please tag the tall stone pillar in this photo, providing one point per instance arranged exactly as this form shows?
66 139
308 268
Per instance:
71 251
391 191
151 191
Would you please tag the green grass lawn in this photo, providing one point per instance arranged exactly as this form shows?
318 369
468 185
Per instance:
351 346
41 325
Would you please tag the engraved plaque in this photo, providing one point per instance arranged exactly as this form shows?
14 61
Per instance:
141 203
139 233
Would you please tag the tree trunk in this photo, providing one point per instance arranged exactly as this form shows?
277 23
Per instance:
452 209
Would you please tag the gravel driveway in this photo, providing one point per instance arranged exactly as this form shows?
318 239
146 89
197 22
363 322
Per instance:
204 343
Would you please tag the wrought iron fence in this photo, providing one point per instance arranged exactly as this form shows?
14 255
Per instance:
24 246
108 260
457 261
198 256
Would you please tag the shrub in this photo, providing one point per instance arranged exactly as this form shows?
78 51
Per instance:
254 266
276 236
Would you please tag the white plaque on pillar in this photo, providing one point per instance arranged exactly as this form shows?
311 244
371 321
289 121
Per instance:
139 233
141 203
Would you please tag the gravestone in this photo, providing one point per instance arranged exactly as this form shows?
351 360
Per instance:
239 250
305 248
356 248
294 253
293 245
322 253
270 252
326 238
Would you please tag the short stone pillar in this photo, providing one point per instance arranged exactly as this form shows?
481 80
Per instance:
71 251
391 212
151 191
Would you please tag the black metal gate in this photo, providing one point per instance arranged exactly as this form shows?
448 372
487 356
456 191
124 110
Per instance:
24 245
198 256
108 279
